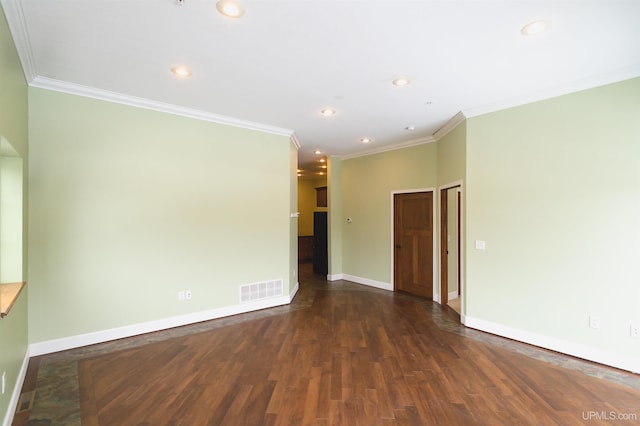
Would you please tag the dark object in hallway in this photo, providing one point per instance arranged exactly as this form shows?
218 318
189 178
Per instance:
320 248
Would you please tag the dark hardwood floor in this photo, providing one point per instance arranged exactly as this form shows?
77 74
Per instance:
340 354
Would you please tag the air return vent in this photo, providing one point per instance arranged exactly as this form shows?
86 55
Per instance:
261 290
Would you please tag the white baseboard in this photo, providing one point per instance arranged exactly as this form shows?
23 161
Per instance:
65 343
334 277
452 295
364 281
17 390
578 350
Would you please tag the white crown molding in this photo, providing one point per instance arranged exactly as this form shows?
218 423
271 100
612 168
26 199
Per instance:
295 141
555 91
407 144
460 117
439 134
105 95
449 126
17 24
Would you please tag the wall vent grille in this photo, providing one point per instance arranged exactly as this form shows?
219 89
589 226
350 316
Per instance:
261 290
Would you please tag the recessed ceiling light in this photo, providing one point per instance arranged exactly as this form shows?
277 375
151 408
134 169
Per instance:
230 8
324 166
401 81
317 152
328 112
410 128
322 160
365 140
535 27
181 72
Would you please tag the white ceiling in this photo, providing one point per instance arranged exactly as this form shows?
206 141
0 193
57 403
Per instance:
284 60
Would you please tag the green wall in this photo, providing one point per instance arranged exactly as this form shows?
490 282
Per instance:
293 221
367 185
553 188
336 215
452 155
130 206
363 188
452 170
13 127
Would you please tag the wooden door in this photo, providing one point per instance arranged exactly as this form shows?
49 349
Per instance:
413 243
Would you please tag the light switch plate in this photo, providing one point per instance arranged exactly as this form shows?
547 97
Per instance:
480 245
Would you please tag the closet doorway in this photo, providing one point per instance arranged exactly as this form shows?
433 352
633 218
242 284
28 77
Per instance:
450 247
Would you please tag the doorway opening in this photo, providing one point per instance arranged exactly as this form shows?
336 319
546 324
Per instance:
450 247
313 225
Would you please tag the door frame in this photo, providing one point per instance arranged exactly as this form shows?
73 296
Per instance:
461 251
435 259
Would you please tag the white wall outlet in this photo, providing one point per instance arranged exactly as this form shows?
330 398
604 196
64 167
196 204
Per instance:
594 322
187 294
635 329
480 245
181 295
4 381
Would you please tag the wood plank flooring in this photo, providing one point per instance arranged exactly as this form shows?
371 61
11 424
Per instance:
341 354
